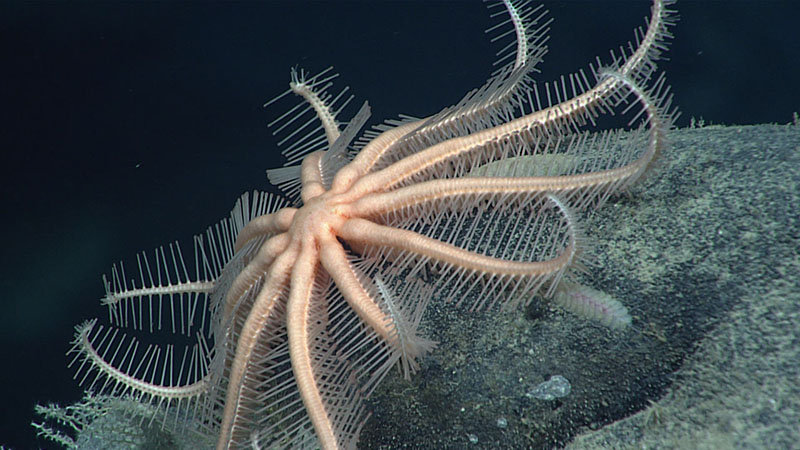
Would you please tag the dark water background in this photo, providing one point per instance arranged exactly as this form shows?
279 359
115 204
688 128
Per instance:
125 126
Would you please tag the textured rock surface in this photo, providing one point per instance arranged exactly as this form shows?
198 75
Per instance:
702 254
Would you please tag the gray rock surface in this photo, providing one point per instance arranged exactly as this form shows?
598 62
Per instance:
704 254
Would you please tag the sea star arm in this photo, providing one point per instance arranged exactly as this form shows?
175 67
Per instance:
266 225
366 232
420 194
123 383
299 311
390 324
235 415
259 266
335 262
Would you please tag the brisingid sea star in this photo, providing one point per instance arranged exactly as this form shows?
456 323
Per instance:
310 305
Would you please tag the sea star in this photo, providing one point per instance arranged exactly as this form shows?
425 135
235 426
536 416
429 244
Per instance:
311 304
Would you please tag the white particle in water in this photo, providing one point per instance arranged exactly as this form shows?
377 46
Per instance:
502 422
